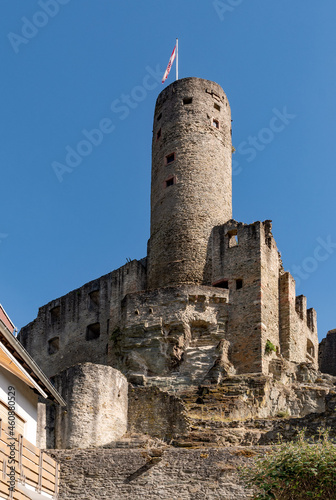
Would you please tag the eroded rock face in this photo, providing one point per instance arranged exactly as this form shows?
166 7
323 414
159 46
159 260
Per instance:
173 337
210 411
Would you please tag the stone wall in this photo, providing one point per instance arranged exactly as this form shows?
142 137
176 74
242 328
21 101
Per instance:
156 413
245 260
96 411
172 336
171 474
193 470
75 328
327 353
298 326
139 318
192 122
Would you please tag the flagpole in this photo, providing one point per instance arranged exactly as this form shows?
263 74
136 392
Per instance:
176 58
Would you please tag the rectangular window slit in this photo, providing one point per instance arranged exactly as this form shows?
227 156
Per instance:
170 182
239 284
217 106
93 331
187 100
222 284
55 314
170 158
94 298
53 345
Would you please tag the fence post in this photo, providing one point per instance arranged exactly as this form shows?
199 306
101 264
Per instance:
39 487
20 440
56 480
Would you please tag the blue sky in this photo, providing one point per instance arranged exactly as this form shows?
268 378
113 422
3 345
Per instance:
68 64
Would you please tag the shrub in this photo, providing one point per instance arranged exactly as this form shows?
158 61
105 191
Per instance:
269 347
301 470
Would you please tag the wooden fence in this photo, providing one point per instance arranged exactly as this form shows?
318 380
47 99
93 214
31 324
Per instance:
27 465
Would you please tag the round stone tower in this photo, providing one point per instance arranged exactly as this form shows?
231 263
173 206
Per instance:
191 190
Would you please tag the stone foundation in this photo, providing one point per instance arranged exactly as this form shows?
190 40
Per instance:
144 474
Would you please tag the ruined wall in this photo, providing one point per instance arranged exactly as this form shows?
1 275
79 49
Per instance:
327 353
191 188
96 411
156 413
245 260
269 293
298 326
145 474
172 336
75 328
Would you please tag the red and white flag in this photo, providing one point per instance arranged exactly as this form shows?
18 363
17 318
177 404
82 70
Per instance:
171 60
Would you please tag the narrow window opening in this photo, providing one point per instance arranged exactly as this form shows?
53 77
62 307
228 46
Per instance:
55 314
310 348
92 331
222 284
170 158
158 135
53 345
94 298
187 100
233 238
159 117
215 123
170 181
217 106
239 284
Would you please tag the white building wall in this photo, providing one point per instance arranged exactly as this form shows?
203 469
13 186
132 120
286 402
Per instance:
25 402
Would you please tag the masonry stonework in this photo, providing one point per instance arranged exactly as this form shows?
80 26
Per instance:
139 318
207 328
75 328
193 120
327 353
96 411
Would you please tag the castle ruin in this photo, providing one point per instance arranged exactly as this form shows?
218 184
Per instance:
212 292
209 320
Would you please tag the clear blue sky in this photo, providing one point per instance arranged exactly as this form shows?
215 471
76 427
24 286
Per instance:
62 77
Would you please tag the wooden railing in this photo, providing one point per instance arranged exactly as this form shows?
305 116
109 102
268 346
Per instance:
23 464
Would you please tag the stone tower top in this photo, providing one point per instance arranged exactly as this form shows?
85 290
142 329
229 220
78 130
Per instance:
191 190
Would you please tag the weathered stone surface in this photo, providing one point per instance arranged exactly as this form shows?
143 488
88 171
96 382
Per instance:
69 318
190 413
240 312
210 334
327 353
156 413
171 474
96 412
183 214
298 328
173 336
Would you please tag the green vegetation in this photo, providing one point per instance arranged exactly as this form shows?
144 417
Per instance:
269 347
283 414
301 470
